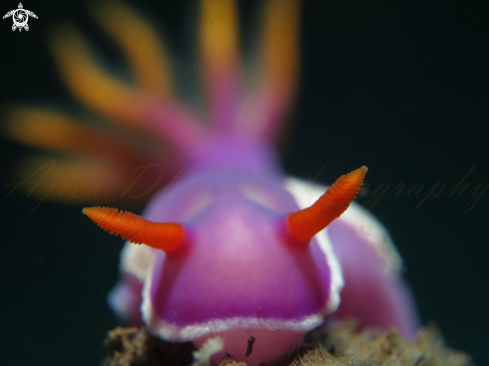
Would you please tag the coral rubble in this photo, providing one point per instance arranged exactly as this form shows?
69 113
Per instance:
341 345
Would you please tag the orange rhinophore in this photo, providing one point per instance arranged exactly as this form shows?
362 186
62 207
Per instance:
160 235
306 223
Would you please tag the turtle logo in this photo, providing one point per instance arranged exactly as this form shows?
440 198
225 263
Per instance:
20 17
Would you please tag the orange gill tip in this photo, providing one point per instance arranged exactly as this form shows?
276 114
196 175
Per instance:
280 45
279 67
304 224
55 131
71 179
89 82
159 235
219 33
140 43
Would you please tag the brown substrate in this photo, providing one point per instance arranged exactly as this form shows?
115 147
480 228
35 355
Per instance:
343 345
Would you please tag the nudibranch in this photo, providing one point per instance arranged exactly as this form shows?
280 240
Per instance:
230 247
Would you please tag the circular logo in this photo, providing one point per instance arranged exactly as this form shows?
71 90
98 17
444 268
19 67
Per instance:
20 18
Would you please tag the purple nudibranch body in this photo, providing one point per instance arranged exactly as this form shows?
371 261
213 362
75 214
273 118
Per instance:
232 269
240 280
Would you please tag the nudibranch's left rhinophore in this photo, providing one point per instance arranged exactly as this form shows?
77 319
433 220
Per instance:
230 247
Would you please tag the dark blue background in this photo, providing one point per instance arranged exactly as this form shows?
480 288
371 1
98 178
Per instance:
399 86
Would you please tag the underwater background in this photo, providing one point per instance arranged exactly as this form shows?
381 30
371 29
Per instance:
399 86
